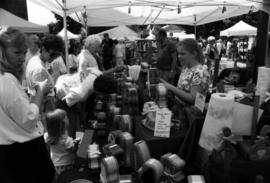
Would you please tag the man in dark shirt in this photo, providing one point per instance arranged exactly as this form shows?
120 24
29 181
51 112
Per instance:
167 57
107 51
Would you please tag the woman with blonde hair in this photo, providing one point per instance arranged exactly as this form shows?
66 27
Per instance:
194 77
23 153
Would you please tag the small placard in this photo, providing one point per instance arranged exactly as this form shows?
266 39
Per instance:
163 123
200 101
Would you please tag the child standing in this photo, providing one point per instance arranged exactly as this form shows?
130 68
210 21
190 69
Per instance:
62 147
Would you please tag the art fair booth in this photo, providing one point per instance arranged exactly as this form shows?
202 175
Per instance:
142 132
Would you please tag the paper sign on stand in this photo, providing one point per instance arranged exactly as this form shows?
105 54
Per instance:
200 101
163 123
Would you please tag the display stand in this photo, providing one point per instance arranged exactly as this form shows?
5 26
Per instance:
145 50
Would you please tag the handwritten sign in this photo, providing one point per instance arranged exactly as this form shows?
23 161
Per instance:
200 101
163 123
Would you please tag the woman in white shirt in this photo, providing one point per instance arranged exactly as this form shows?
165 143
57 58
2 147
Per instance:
23 153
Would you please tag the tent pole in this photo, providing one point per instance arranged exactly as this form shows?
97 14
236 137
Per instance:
195 31
158 14
195 25
85 21
65 33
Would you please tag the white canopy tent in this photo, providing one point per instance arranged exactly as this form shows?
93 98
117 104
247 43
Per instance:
114 13
121 33
182 36
8 19
127 12
191 15
179 35
240 29
173 29
70 35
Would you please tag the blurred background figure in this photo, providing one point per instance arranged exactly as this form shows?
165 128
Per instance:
119 52
107 51
33 49
58 67
219 47
74 50
234 50
166 57
211 52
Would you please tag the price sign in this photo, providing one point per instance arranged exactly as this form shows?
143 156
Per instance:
163 123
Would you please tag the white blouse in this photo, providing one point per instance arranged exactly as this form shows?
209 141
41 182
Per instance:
19 119
86 60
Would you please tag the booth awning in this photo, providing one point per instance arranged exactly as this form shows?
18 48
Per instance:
70 35
128 12
121 33
8 19
240 29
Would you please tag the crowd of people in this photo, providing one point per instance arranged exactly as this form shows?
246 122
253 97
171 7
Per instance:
38 107
31 104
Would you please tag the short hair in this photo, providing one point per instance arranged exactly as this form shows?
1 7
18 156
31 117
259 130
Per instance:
92 42
105 84
105 35
56 125
162 33
11 37
191 45
74 45
52 42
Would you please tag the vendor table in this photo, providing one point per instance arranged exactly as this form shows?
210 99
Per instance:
183 142
158 145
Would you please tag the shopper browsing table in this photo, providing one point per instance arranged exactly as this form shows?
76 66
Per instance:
194 77
23 153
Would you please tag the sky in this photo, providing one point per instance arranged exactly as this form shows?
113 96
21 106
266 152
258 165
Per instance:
39 15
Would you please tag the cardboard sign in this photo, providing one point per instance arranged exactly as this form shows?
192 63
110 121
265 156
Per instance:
86 141
163 123
200 101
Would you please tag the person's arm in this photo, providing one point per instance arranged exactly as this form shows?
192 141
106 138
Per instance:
114 69
42 89
188 97
24 112
70 145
